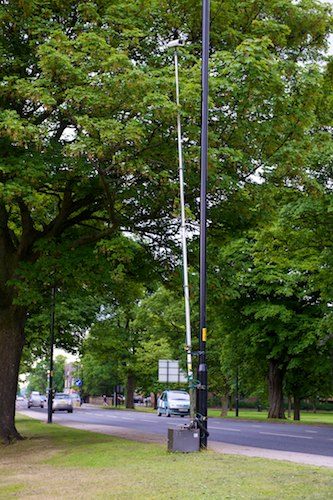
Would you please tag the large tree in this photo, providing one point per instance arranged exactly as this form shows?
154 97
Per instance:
113 342
273 150
87 130
275 313
84 144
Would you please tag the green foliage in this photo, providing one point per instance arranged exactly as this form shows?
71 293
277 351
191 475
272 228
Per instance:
88 155
161 314
131 342
37 380
99 375
111 346
149 352
38 375
275 302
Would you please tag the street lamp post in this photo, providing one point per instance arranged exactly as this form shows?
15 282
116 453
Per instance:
50 389
175 44
237 393
202 369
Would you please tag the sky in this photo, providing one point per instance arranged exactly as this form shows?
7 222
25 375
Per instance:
70 357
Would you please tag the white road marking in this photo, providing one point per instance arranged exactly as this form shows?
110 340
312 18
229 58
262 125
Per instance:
312 432
285 435
224 429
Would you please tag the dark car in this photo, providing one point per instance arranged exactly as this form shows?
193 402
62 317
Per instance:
137 398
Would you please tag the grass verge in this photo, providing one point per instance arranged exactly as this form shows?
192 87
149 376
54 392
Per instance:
306 417
59 462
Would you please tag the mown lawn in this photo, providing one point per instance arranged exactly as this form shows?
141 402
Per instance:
307 417
59 462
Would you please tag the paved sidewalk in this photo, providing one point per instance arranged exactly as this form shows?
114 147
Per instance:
217 447
289 456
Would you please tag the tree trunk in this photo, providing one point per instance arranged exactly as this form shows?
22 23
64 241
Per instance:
154 400
289 406
275 387
12 321
224 405
297 408
130 391
314 407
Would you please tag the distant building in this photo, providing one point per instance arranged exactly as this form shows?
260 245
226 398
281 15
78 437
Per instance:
70 376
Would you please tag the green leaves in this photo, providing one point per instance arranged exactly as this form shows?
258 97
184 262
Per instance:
20 132
89 151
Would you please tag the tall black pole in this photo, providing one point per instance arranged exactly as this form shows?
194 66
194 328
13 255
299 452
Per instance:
202 369
237 394
50 390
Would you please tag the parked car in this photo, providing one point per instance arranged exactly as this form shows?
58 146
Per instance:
62 401
173 403
137 398
76 400
35 400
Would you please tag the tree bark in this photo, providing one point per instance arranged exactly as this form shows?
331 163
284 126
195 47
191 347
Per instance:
275 387
314 407
289 406
224 405
12 321
130 391
297 408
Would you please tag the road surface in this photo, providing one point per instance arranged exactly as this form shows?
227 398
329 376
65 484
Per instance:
295 442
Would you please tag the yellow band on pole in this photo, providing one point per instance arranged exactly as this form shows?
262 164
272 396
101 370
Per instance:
204 334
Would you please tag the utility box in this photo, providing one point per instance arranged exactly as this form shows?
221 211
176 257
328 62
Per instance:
183 439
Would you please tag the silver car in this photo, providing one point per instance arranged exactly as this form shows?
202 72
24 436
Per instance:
173 403
35 400
62 401
76 400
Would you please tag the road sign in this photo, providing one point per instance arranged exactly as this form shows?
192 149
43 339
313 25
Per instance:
78 382
169 371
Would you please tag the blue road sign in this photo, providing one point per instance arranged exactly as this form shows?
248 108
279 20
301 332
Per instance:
78 382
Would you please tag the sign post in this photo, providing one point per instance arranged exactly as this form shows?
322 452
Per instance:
202 369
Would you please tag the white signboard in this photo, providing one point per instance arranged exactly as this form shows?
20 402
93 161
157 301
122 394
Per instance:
169 371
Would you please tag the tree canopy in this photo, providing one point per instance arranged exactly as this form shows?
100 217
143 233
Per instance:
88 167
